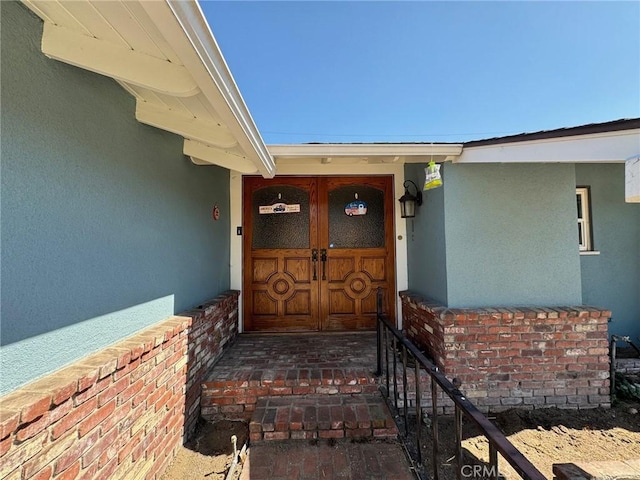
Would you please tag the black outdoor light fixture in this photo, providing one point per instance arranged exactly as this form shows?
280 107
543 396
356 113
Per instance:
409 202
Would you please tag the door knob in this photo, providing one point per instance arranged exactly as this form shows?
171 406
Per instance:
323 259
314 260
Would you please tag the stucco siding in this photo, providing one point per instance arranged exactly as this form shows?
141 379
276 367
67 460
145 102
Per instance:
612 279
426 243
106 226
511 235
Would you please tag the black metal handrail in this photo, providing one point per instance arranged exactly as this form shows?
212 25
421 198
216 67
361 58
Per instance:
497 441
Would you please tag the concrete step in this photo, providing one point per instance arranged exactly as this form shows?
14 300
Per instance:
321 416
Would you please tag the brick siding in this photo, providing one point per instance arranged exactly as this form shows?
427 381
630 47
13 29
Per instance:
628 365
121 412
526 357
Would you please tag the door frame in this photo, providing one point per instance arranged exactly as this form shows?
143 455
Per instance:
370 267
396 170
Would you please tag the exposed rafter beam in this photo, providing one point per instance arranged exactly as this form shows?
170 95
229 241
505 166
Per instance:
117 61
202 154
197 49
189 127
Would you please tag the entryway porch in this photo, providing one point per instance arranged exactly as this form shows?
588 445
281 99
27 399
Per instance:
300 386
315 393
323 386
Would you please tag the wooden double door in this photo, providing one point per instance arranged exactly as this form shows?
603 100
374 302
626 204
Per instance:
315 252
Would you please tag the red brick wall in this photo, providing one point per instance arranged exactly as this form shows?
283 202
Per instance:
628 365
119 413
505 357
422 325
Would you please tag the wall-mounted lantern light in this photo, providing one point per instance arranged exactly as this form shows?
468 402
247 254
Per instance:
408 202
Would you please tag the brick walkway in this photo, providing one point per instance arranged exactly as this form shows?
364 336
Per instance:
326 460
259 366
314 405
322 416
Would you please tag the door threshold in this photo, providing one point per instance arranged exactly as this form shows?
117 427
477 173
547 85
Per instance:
307 333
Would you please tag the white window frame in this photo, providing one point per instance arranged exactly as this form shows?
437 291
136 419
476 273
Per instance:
584 219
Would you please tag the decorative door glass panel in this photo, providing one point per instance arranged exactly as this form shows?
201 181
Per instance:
284 221
356 217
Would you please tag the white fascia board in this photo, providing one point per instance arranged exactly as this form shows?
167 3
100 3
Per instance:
198 50
596 148
327 150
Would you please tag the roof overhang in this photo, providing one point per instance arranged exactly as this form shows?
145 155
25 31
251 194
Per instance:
164 54
343 153
615 146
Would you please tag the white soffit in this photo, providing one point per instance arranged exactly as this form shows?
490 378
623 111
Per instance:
164 54
366 153
616 146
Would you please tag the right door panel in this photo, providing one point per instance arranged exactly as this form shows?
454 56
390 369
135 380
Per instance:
356 227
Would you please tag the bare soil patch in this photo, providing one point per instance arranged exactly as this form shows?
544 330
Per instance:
545 436
210 452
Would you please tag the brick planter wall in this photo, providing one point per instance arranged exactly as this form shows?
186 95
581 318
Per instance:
628 365
506 357
121 412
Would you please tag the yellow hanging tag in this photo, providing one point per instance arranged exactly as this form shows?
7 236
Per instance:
432 176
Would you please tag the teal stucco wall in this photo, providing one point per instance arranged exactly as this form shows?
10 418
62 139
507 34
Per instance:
106 227
426 246
506 232
511 235
612 279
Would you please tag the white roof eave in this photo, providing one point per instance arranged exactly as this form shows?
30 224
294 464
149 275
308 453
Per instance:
363 150
226 96
606 147
176 72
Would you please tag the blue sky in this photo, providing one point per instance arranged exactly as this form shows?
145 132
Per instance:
429 71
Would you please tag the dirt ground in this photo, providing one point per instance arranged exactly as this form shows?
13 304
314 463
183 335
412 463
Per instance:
545 436
209 454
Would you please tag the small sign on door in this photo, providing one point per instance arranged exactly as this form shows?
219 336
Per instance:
279 208
356 208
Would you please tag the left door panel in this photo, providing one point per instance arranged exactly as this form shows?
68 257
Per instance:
280 288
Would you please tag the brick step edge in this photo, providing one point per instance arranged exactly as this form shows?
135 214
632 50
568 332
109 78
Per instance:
312 417
238 401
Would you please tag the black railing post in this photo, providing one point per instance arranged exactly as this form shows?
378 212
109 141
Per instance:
404 390
379 328
497 441
434 425
418 412
493 460
379 348
386 357
395 372
458 428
